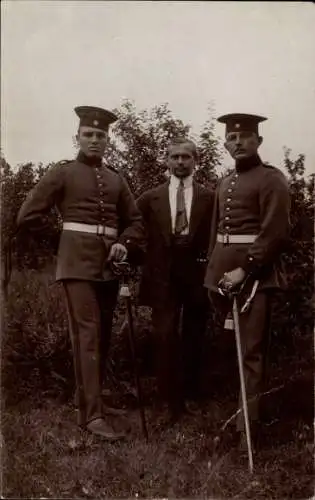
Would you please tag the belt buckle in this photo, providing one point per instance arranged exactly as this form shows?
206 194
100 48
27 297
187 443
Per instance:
100 230
226 239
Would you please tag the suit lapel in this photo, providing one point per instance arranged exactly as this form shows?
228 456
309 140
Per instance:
197 208
162 209
214 220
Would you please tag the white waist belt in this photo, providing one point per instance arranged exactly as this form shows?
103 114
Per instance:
98 229
236 238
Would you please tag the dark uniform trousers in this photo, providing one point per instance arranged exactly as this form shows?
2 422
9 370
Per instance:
254 330
179 322
90 306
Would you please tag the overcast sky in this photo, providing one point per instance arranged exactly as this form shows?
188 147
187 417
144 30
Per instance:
250 57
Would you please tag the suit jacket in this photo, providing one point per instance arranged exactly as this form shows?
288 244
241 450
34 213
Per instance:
155 208
91 194
255 201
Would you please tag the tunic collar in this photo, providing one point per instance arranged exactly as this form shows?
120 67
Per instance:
247 163
93 162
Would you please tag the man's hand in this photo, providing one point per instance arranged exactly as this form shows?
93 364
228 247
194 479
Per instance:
231 279
118 252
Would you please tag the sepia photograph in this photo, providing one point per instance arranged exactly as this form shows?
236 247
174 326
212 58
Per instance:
157 249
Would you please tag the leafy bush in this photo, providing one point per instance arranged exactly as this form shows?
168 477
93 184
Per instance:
294 310
35 343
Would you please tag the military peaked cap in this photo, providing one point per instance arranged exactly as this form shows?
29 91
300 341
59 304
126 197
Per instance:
236 122
95 117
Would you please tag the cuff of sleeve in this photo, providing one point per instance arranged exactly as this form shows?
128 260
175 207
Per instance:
123 241
251 266
135 251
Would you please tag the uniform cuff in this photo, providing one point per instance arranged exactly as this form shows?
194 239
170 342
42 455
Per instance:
251 266
135 252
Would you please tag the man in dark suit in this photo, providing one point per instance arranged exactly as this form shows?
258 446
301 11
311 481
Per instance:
177 218
101 223
250 227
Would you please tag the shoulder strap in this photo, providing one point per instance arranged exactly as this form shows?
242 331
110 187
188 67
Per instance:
65 162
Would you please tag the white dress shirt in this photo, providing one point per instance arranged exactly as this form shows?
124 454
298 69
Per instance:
188 194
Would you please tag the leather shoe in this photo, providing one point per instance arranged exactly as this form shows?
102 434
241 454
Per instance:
100 428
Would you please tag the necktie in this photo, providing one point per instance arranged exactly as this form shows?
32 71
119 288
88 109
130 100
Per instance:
181 221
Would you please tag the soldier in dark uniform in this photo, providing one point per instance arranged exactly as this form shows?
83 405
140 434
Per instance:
251 221
101 223
177 217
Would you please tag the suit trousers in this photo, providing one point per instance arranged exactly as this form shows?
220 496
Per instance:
179 322
90 307
254 325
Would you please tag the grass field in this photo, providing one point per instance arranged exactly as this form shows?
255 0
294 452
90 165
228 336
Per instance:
46 456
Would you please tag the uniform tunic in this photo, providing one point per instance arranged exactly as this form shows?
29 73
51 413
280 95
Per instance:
252 201
91 195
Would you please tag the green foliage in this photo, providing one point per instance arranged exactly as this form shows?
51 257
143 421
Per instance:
210 153
27 249
35 343
295 309
141 140
140 145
